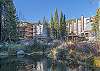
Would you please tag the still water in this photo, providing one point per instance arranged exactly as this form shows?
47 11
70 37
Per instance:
32 63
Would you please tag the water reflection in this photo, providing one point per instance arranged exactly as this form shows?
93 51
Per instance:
34 63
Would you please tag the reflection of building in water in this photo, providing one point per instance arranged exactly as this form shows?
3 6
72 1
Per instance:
37 66
41 66
53 67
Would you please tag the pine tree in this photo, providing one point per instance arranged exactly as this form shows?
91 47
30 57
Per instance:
96 25
56 24
0 16
62 26
9 22
45 24
46 27
52 26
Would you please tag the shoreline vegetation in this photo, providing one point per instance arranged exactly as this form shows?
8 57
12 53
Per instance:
12 49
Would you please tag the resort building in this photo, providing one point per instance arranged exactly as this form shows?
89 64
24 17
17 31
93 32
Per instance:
82 27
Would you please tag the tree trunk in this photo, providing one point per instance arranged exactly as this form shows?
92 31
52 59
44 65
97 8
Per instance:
0 19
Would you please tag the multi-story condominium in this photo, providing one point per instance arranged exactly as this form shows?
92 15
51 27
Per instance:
79 27
89 32
71 25
34 30
39 29
21 29
82 23
75 27
29 30
87 27
82 26
25 30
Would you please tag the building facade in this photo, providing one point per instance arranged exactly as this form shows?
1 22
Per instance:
25 30
39 29
82 27
29 30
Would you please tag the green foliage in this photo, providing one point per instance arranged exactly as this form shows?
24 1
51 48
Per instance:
1 1
46 27
56 24
51 23
52 26
96 24
9 25
45 23
58 28
35 47
62 26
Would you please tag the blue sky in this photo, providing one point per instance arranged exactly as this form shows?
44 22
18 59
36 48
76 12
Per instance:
34 10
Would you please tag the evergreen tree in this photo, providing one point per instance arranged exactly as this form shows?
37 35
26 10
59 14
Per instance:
9 22
52 26
56 24
45 24
62 26
96 25
46 29
0 16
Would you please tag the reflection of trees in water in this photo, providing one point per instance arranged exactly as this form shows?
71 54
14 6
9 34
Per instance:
35 65
58 66
14 63
53 66
40 63
8 64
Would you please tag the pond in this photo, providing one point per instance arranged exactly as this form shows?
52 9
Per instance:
34 63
